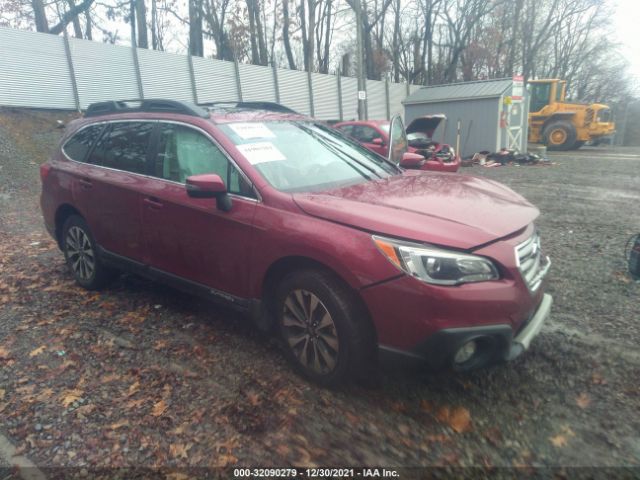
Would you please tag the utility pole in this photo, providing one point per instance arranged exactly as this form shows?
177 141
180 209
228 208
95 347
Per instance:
360 63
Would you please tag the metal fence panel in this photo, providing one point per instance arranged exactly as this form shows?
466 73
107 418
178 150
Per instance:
349 98
325 96
397 93
103 72
257 83
34 70
164 75
294 90
215 80
376 100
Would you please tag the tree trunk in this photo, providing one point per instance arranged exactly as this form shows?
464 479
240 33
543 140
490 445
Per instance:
154 24
77 30
195 28
40 16
285 34
141 16
255 56
396 43
88 29
132 22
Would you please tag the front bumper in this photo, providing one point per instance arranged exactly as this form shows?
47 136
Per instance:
496 343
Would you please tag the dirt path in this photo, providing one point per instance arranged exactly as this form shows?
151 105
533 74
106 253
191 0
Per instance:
142 375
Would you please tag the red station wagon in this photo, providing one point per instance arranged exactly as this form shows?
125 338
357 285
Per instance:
347 255
374 134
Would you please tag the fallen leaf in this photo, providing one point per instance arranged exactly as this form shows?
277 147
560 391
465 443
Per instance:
120 424
559 440
45 395
179 450
37 351
458 418
4 354
176 476
136 403
598 379
134 388
71 396
2 392
583 400
159 408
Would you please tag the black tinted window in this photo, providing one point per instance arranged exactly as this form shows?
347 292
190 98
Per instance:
346 129
365 134
124 147
79 144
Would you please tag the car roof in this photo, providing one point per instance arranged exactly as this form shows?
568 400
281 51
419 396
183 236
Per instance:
216 112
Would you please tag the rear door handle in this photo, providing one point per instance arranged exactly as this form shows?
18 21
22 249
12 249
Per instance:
84 183
153 203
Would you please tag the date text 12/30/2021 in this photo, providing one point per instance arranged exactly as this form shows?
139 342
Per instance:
315 473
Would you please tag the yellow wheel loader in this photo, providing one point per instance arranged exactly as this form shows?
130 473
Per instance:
561 125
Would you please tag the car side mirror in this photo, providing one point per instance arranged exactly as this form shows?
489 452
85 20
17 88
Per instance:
412 160
209 185
378 141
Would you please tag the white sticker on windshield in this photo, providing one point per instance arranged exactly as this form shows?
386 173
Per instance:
261 152
252 130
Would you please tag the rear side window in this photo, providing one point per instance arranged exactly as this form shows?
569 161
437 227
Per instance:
124 147
77 147
346 129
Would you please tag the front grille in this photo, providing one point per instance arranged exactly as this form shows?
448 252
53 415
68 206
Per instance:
532 265
588 118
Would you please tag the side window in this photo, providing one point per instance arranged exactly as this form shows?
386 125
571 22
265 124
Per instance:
346 129
77 147
539 96
183 152
124 147
365 134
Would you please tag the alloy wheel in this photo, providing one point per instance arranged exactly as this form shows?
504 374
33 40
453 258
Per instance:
310 331
80 253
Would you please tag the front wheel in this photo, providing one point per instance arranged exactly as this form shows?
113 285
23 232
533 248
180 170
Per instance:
81 255
560 135
325 334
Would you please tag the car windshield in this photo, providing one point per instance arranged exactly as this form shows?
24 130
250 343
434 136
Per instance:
305 156
385 127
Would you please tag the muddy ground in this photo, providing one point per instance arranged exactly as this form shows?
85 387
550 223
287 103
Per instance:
142 375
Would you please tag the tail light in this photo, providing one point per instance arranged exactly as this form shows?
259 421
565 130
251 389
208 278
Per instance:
45 168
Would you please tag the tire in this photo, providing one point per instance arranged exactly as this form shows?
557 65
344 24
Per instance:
81 255
325 334
560 135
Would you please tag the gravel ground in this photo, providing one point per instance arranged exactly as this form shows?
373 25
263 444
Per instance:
142 375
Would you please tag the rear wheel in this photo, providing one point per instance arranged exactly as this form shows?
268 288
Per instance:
81 255
324 333
560 135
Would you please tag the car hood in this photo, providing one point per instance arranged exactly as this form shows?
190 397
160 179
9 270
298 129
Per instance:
426 124
451 210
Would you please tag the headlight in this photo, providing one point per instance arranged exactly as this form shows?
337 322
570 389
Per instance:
434 265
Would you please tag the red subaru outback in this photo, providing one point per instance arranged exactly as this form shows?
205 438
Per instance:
346 254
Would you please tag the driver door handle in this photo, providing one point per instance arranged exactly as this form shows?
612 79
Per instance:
153 203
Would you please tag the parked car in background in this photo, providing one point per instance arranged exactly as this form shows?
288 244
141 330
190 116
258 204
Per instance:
342 252
374 135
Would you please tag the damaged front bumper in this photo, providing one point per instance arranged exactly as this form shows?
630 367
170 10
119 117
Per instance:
492 344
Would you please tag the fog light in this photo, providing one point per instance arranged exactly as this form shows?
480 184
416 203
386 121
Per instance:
465 352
